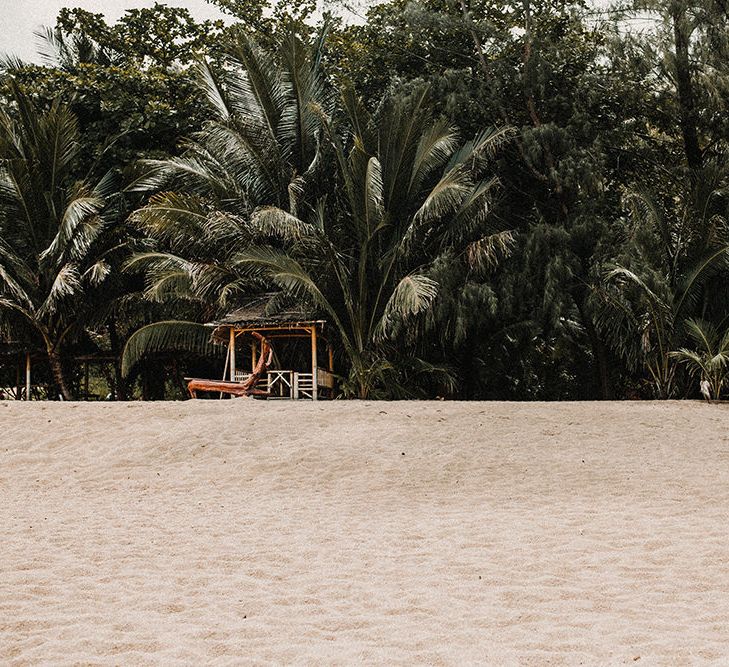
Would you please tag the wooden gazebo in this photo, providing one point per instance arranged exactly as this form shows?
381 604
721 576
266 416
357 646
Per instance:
253 336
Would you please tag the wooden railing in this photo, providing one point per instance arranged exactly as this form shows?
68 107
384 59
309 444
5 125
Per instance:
303 385
290 384
241 376
324 378
280 384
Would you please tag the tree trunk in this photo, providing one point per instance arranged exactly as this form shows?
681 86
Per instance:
363 390
178 376
153 379
56 363
18 385
602 368
120 386
684 87
600 356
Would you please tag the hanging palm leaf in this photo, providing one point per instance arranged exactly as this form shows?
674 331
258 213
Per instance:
170 336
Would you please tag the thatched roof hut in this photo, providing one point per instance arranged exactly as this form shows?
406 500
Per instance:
260 324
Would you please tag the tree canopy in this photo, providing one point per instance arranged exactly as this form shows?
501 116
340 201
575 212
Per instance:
487 200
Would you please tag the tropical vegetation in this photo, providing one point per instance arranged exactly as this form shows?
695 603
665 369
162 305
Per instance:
485 201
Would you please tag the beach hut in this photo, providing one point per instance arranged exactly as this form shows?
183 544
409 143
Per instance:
281 356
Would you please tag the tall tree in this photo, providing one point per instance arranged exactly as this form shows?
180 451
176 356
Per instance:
543 68
57 239
130 83
262 145
672 268
411 194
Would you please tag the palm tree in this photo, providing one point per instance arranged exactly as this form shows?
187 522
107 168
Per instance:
710 359
249 204
57 246
262 145
674 268
410 193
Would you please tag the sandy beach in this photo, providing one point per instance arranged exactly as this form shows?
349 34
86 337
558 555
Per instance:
246 532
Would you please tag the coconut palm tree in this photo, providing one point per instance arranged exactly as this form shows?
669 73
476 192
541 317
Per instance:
710 359
57 244
410 192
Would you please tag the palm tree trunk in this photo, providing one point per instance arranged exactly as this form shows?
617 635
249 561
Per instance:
56 363
120 387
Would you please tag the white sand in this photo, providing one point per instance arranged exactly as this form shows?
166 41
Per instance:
241 532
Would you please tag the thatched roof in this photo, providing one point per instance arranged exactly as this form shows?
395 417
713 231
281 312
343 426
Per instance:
256 313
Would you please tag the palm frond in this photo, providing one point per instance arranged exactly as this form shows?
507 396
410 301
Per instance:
173 218
486 253
446 197
625 274
273 221
435 148
483 147
78 229
373 194
165 274
703 333
66 283
690 286
257 84
266 263
97 272
284 270
169 336
412 295
213 89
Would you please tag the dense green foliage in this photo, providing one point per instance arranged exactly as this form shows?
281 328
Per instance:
519 200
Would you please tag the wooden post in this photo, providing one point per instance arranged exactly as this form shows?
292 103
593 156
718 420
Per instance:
314 366
225 372
254 360
27 376
18 371
231 351
330 350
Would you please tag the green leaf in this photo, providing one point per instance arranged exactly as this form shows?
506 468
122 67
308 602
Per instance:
169 336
